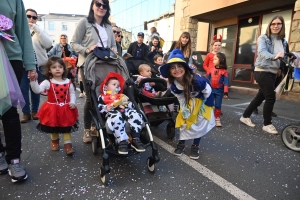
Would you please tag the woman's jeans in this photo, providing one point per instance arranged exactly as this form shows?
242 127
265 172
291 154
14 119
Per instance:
26 89
11 123
266 92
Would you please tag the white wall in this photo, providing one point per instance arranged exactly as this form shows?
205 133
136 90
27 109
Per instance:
55 34
165 28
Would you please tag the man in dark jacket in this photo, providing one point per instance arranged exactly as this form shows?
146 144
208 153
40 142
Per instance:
138 49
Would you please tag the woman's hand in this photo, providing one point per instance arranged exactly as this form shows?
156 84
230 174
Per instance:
116 52
72 105
32 75
279 55
90 49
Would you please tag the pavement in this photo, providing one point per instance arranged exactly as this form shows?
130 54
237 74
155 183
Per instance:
236 162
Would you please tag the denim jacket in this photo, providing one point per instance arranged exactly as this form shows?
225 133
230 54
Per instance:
56 51
265 50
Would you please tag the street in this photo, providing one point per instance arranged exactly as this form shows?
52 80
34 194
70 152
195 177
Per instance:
236 162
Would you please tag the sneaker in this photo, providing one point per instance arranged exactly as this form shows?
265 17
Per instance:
179 150
16 171
81 95
218 122
194 152
86 136
123 147
3 164
138 145
247 121
270 129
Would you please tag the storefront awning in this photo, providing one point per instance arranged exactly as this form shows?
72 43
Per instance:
244 8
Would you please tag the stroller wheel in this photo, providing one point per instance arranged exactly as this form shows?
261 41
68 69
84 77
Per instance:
94 144
104 178
291 136
151 165
171 130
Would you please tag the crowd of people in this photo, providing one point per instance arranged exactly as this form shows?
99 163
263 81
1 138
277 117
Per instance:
199 94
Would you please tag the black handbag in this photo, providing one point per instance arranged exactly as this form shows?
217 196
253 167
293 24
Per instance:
104 53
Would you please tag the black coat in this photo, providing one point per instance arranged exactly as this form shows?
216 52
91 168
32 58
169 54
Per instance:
132 50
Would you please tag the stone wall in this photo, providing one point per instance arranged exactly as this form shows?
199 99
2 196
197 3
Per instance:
189 24
295 43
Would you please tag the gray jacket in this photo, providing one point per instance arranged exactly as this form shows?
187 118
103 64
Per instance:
86 36
265 49
56 51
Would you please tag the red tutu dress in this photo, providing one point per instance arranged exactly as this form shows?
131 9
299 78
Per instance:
55 114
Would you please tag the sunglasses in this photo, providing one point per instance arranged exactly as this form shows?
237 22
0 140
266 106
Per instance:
121 36
33 17
99 5
118 32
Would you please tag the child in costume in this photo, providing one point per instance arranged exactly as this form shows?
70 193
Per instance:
218 77
215 47
59 113
148 88
119 110
195 118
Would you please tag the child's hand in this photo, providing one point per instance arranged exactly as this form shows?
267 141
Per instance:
225 95
72 105
109 107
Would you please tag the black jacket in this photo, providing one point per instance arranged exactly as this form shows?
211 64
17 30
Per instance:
132 50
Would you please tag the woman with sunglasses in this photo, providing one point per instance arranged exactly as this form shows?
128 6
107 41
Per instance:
63 49
85 39
270 47
117 32
40 41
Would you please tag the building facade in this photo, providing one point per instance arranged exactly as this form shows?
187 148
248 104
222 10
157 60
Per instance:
240 22
57 24
135 16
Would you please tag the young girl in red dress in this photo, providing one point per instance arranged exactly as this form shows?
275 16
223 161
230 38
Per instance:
215 48
59 113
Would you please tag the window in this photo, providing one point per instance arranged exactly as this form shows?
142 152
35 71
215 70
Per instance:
51 26
246 40
228 40
64 26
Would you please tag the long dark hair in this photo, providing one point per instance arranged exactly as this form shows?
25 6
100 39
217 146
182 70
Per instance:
186 49
51 61
281 33
187 82
222 60
105 20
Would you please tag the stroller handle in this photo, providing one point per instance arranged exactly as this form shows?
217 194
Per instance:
155 80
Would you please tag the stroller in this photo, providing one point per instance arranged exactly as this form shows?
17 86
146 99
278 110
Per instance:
95 72
290 134
154 115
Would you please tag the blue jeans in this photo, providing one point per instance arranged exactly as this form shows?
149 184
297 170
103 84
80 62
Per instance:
25 89
218 95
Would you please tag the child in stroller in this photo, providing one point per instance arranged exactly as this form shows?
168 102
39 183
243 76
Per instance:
148 87
119 110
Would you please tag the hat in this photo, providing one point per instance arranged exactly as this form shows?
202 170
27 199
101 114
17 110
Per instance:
176 56
113 75
141 34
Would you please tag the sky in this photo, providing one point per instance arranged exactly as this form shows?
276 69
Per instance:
59 6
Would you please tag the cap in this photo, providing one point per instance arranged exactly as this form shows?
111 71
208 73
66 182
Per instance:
140 34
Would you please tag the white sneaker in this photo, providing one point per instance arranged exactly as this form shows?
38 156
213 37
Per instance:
247 121
80 95
270 129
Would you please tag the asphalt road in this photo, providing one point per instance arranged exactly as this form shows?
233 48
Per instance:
236 162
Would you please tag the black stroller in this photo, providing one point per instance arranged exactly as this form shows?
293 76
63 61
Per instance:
155 117
95 72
